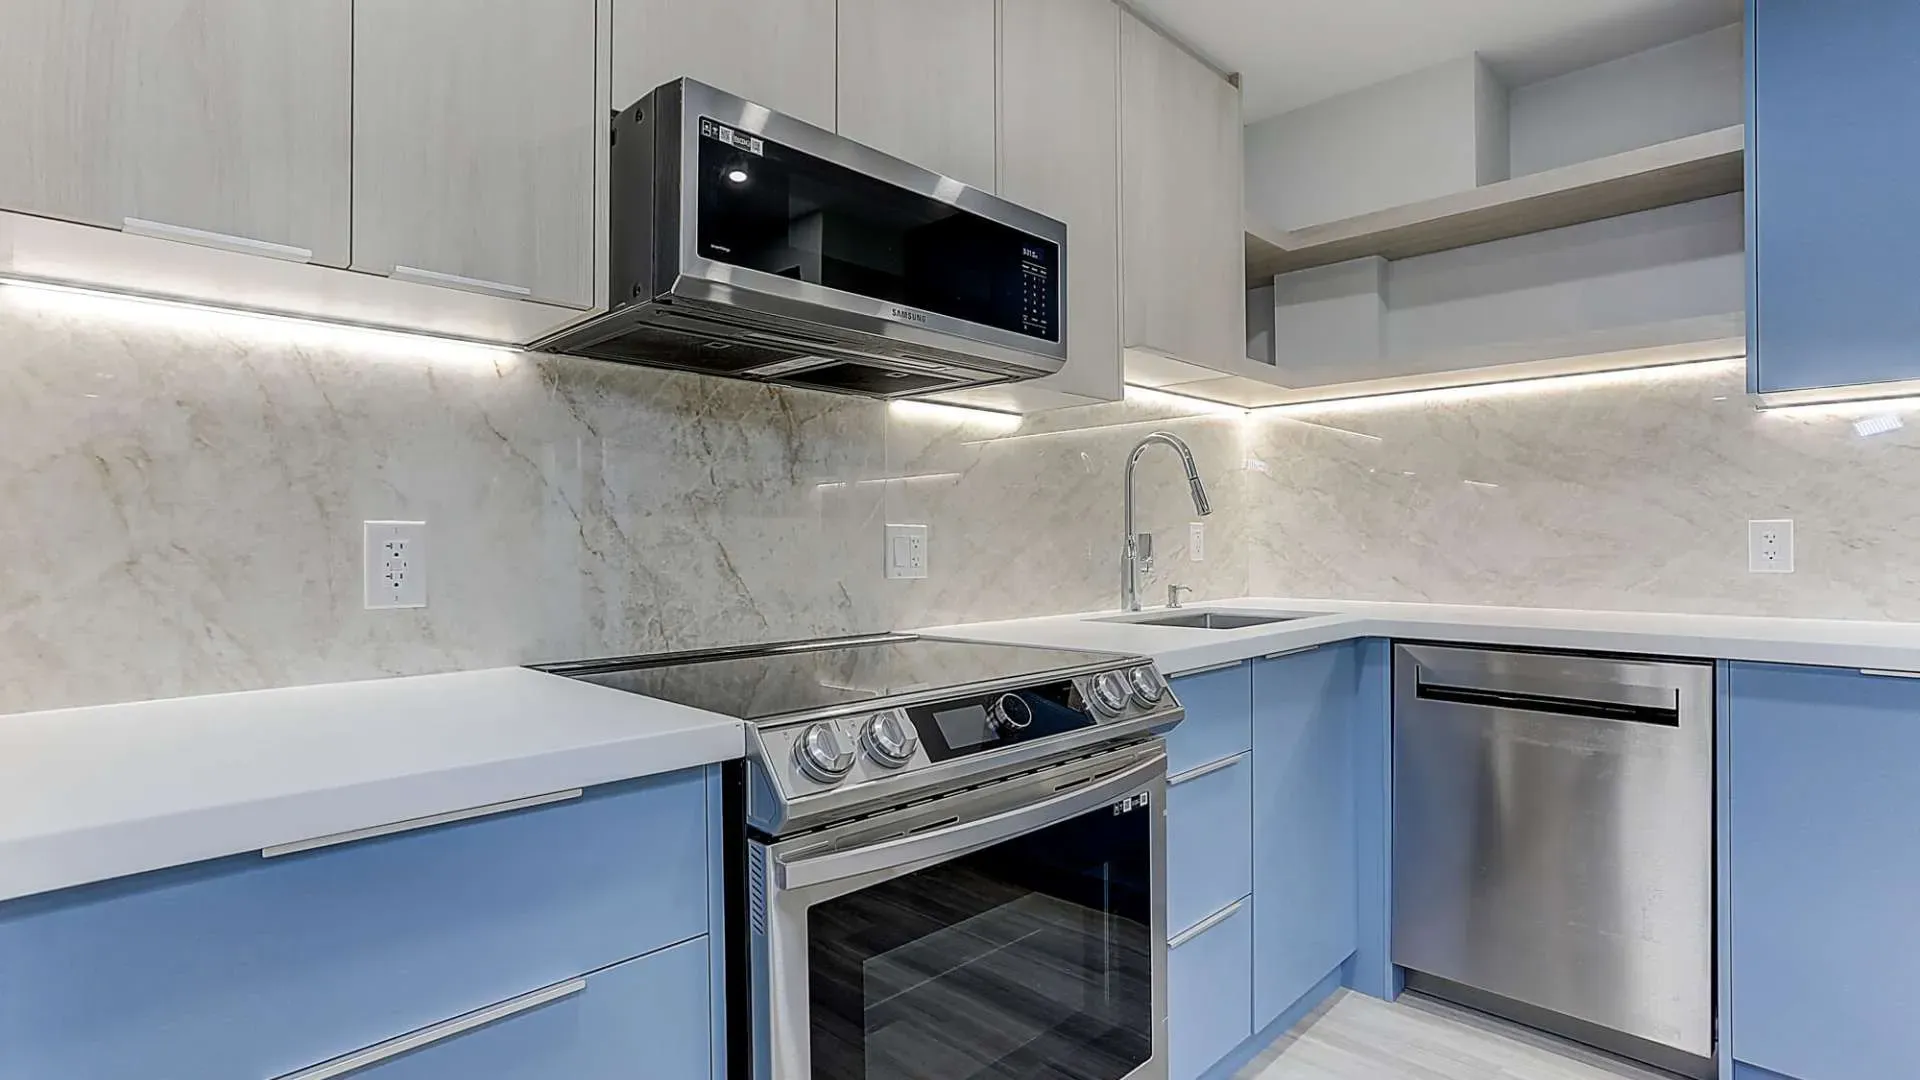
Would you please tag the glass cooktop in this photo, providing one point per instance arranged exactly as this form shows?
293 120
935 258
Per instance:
763 682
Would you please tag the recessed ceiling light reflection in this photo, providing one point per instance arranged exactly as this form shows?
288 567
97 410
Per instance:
738 176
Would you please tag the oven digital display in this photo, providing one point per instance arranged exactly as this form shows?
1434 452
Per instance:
965 727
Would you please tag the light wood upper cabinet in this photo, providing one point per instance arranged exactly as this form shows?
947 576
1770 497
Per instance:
778 53
225 116
1060 155
1183 286
473 144
917 81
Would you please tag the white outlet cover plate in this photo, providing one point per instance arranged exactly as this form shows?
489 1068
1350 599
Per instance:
1197 541
395 556
906 554
1770 546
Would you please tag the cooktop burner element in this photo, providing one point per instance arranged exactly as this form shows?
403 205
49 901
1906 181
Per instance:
841 727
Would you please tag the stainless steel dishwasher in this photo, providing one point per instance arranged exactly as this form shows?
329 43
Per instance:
1553 844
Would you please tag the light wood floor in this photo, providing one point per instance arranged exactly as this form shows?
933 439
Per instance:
1354 1037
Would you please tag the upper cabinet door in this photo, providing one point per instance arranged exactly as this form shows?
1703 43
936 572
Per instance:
473 144
917 81
778 53
223 116
1831 153
1060 155
1182 239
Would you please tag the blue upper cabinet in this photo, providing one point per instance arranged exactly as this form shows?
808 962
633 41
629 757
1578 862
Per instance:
1832 218
1824 793
1305 858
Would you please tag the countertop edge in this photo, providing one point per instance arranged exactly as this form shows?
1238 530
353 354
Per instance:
1756 639
124 841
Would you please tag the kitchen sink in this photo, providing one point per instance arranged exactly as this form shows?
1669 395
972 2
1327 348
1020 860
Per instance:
1208 620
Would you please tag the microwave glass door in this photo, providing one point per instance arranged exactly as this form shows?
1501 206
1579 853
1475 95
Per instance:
1028 958
775 209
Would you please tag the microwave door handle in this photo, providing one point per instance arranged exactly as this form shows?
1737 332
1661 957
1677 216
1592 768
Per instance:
955 840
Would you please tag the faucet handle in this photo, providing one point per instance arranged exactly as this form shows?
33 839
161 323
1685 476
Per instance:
1173 594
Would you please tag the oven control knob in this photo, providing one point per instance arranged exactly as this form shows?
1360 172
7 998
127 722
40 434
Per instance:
822 754
1011 715
889 740
1148 686
1110 692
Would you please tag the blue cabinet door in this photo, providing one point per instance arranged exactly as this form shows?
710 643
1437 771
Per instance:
1834 108
1305 863
1209 992
1824 794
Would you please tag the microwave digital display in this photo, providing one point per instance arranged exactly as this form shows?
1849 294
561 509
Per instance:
768 207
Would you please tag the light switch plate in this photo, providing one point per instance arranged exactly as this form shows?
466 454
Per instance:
906 554
1770 546
395 557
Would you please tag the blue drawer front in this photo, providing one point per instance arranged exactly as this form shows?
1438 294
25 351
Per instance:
645 1019
1209 842
1824 790
1210 996
246 968
1219 721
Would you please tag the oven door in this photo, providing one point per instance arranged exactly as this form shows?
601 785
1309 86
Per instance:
1013 931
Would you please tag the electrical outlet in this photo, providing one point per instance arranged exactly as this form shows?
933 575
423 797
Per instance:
1197 541
1770 547
395 553
906 552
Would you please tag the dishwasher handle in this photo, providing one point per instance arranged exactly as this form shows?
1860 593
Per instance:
1587 708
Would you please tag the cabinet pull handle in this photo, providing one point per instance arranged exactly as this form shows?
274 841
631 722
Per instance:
1199 771
455 281
427 1036
411 824
245 245
1206 670
1888 673
1206 924
1290 652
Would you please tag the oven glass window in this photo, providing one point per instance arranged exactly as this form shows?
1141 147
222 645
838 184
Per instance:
771 208
1028 959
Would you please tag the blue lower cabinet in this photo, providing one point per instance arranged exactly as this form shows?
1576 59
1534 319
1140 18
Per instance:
1219 721
1305 864
644 1019
247 968
1209 839
1209 991
1823 793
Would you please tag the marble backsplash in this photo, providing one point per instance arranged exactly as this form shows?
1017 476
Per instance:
183 495
1629 491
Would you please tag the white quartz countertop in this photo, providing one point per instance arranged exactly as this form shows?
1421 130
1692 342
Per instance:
96 793
1823 642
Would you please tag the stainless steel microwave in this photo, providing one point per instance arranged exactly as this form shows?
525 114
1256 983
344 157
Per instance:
749 244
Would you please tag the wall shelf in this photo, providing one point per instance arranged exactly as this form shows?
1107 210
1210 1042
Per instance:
1682 170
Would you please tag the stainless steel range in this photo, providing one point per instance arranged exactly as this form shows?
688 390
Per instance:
952 859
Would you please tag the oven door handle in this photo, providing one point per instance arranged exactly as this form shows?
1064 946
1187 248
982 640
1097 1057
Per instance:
804 870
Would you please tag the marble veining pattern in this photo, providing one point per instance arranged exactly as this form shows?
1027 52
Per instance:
184 493
1624 492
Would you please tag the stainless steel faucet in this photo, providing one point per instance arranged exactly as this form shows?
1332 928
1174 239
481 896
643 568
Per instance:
1138 558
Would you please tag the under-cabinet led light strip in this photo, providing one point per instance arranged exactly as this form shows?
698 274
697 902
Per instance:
279 327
